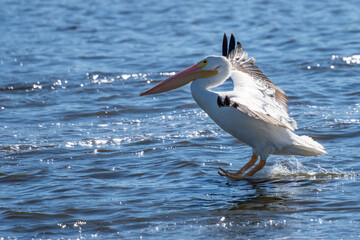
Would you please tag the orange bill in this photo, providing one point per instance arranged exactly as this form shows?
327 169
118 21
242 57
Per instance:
180 79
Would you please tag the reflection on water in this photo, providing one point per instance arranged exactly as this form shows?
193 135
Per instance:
283 207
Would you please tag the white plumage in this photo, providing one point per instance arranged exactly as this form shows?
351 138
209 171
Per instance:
255 112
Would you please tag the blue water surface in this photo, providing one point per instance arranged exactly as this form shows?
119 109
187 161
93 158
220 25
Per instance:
82 156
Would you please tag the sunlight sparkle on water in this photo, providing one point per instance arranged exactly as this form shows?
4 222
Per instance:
354 59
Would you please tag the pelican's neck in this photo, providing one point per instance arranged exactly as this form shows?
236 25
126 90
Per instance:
201 94
200 88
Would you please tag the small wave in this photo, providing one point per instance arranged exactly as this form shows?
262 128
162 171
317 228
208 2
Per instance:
89 143
22 177
31 215
38 85
18 147
103 142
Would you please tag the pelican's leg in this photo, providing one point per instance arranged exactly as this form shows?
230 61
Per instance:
256 168
251 163
230 175
238 174
237 177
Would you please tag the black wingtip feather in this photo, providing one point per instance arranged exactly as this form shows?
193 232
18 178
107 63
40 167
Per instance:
227 101
231 44
220 102
224 46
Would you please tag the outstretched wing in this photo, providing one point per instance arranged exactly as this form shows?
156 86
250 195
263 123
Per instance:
253 92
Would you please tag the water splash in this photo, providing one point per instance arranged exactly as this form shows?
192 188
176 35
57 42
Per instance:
293 168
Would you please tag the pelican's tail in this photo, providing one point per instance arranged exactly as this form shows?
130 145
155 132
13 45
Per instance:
304 146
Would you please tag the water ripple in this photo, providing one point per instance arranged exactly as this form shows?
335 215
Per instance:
83 156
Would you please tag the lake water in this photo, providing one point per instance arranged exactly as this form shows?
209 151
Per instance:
84 157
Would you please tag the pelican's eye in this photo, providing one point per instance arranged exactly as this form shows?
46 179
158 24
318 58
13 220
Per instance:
202 63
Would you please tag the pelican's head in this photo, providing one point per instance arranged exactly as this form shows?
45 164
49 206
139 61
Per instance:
206 68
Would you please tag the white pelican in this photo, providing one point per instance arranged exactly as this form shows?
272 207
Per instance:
255 112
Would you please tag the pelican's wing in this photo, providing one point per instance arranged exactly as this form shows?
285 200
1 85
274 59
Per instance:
253 92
